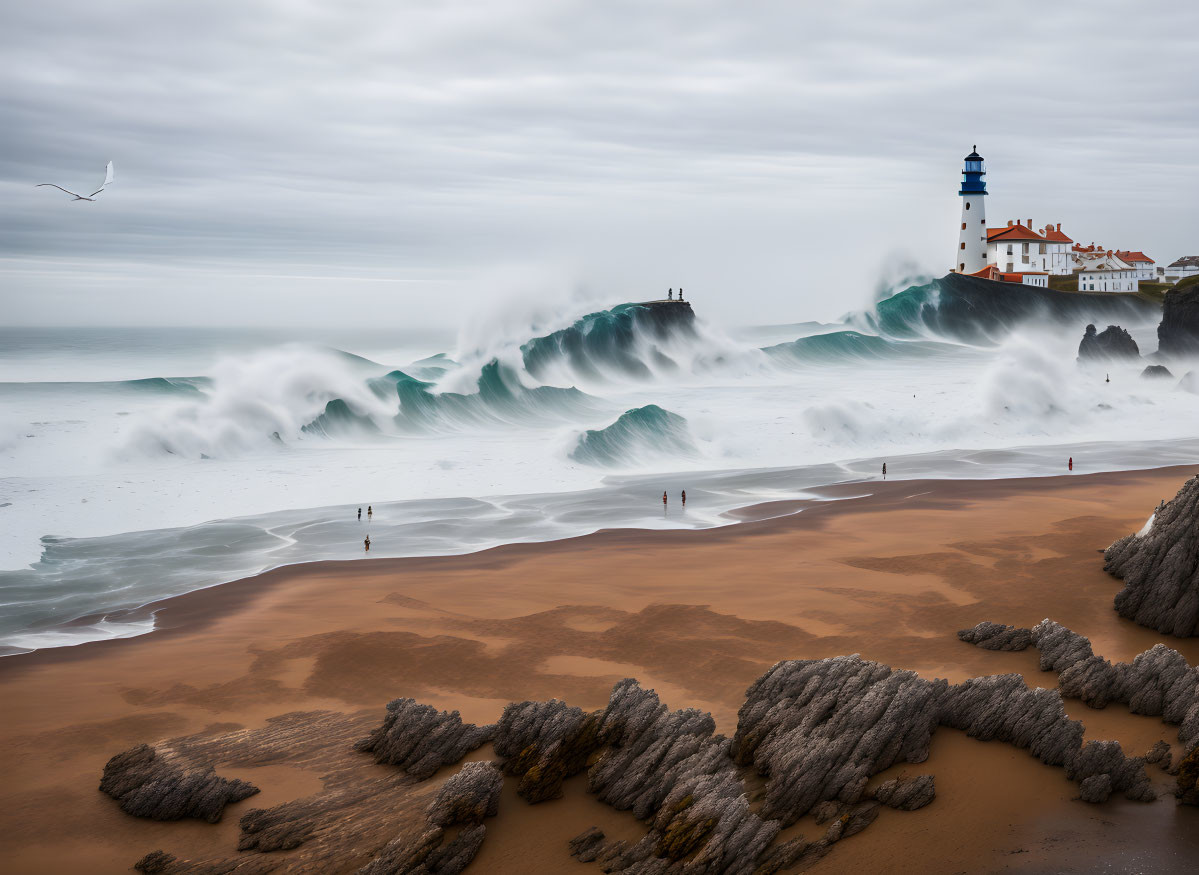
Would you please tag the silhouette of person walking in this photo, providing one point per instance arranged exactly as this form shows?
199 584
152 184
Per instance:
680 293
359 513
370 512
670 294
884 470
684 498
366 542
663 499
1071 463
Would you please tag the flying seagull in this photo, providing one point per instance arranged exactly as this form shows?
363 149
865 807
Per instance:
80 197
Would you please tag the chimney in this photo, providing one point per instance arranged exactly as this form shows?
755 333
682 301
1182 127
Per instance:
1030 223
1009 223
1059 226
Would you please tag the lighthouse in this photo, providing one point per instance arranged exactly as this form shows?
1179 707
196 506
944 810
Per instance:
972 238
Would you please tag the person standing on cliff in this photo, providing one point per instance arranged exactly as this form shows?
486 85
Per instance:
680 293
670 294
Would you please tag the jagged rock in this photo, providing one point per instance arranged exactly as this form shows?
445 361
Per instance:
852 822
154 862
1160 567
818 729
587 845
545 743
907 794
1156 372
1178 332
420 739
468 797
1113 342
1106 759
159 784
427 855
1159 755
1096 788
996 636
826 811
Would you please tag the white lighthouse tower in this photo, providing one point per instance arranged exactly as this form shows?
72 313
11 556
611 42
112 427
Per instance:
972 238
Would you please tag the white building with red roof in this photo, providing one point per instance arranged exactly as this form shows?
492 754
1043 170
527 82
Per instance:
1140 262
1019 248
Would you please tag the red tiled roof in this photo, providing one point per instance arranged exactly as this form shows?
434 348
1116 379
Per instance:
1012 232
1130 256
988 273
1056 236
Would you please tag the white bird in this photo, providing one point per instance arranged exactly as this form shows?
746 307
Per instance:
80 197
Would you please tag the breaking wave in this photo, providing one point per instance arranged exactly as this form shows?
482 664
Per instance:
643 432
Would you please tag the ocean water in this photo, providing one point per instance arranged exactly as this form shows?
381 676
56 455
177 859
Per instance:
136 464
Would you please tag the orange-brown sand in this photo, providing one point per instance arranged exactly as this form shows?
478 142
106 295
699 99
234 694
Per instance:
697 615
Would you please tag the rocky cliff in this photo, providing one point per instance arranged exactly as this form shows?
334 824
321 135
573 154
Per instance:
1113 342
1160 567
1178 333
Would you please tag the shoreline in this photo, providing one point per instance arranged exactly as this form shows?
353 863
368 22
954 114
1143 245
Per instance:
193 610
695 614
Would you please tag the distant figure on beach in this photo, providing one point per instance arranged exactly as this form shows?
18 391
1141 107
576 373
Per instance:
1071 463
884 470
366 542
670 294
359 513
370 511
664 499
684 498
1107 378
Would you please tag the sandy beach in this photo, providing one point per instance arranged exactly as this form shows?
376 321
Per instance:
890 571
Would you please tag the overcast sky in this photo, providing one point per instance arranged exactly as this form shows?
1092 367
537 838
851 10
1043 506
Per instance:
357 162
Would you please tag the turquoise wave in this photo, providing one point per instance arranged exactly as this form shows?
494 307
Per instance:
639 432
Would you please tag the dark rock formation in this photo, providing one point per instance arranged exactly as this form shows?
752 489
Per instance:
1160 567
1158 682
996 636
907 794
420 739
159 784
1178 333
469 796
845 719
1156 372
544 743
1159 755
1113 342
427 855
1096 788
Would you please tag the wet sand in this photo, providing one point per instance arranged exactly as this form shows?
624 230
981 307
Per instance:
697 615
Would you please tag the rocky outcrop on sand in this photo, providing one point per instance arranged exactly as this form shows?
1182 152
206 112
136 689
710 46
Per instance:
1112 342
543 744
996 636
1178 332
160 784
1160 567
816 731
1157 683
465 799
420 739
907 794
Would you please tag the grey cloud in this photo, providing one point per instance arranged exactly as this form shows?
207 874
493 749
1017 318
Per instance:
787 148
